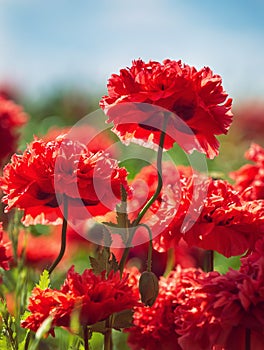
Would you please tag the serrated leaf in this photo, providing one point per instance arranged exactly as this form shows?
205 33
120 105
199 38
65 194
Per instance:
121 211
114 263
99 327
123 319
21 345
105 261
25 315
44 280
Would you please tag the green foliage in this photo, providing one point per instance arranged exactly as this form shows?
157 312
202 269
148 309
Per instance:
223 264
44 280
105 261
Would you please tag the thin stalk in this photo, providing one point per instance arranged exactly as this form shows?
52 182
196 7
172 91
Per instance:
159 172
170 262
152 199
85 338
247 339
150 247
209 260
63 235
27 341
108 342
126 251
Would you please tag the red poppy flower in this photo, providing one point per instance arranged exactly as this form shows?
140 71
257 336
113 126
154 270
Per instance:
221 309
249 179
37 180
140 96
226 222
92 297
12 117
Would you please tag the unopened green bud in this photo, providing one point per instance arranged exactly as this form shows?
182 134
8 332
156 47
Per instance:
148 288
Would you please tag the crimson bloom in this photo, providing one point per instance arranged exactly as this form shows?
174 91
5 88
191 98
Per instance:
12 117
249 179
226 223
222 309
205 213
197 105
39 179
92 297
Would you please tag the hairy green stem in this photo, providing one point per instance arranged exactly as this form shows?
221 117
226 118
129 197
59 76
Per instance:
63 235
159 172
85 338
152 199
108 342
209 260
150 247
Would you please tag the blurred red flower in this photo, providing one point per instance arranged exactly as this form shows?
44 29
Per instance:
140 95
249 179
39 251
37 180
226 223
249 121
12 117
4 251
94 139
92 297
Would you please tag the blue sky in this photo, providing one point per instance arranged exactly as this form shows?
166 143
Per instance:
47 43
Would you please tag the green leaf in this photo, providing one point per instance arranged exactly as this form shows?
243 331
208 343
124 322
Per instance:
105 261
3 343
123 319
123 225
99 327
21 345
25 315
44 281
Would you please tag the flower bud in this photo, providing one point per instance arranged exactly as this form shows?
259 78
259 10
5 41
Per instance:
148 288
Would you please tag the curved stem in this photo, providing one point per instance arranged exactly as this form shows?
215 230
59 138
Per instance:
152 199
63 235
150 247
27 340
126 251
159 172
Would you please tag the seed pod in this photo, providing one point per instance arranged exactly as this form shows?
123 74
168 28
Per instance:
148 288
